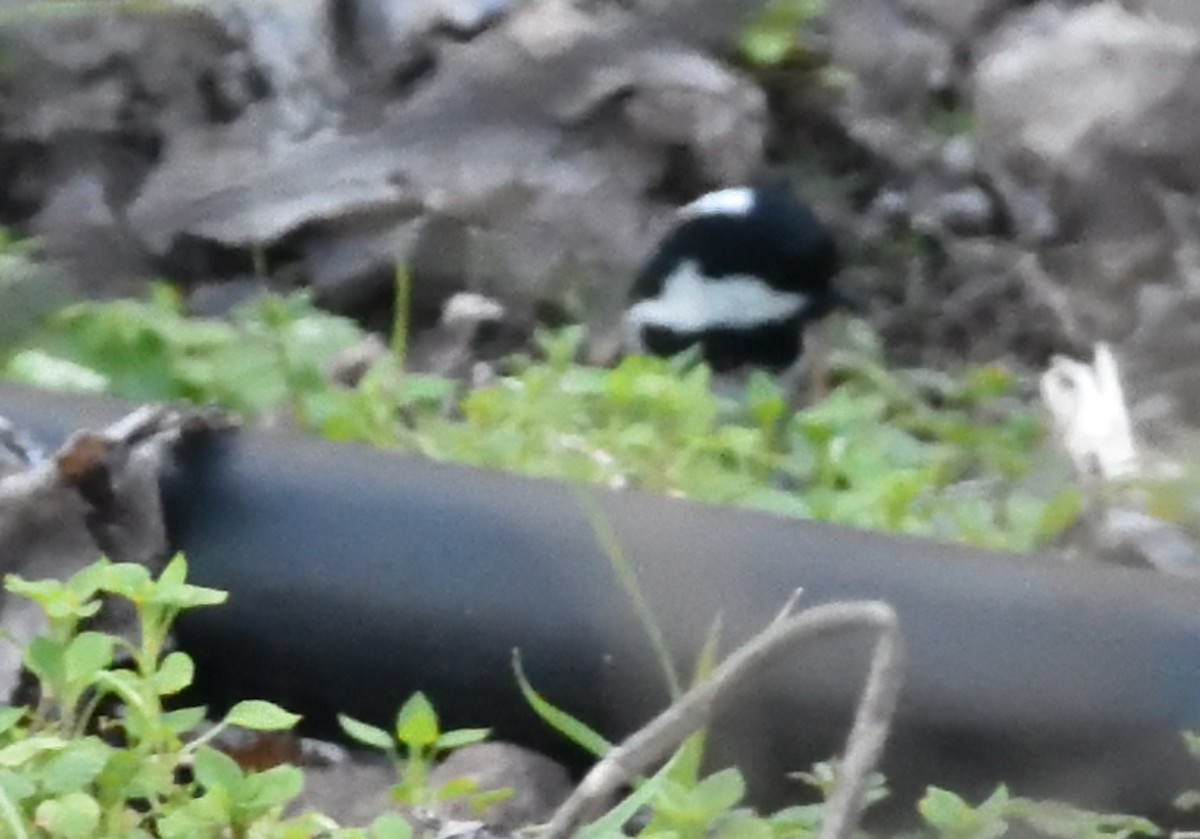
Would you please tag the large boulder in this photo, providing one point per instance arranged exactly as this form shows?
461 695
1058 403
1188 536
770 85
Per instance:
1087 124
1085 115
532 151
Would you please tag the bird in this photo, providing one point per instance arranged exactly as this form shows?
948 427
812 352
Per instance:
740 274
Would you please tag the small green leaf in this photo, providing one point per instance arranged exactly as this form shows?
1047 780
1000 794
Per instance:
183 720
174 673
128 579
1054 818
991 816
17 786
368 735
764 399
175 572
417 723
260 716
722 790
455 788
21 751
480 801
612 823
690 754
44 658
390 826
87 654
76 766
214 769
127 686
766 46
432 390
266 790
40 369
72 816
801 819
944 811
137 777
207 816
10 716
185 596
573 729
1060 512
39 591
460 737
743 826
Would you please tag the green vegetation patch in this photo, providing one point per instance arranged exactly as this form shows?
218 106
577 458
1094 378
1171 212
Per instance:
910 451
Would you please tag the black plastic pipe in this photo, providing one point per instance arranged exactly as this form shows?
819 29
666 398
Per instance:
357 577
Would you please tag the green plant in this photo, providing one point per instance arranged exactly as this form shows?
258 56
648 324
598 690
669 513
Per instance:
950 117
691 805
951 817
770 39
271 352
678 800
904 451
910 451
71 768
421 744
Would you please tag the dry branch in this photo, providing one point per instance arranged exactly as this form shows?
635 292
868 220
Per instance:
864 746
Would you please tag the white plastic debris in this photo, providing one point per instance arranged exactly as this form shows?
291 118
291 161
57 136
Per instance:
1090 414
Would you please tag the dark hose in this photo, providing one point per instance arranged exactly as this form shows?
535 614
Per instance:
357 577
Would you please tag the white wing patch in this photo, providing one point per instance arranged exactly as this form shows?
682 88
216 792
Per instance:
692 302
735 201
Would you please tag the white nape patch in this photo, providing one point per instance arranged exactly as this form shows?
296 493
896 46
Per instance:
735 201
692 302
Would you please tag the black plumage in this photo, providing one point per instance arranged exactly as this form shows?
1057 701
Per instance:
740 274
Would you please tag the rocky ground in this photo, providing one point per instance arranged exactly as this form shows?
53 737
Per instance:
1010 178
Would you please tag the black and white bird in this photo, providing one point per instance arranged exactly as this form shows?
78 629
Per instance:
740 274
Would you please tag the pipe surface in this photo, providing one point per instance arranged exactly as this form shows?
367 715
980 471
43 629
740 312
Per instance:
357 577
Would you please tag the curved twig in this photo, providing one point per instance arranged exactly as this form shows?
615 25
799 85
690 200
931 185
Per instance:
864 746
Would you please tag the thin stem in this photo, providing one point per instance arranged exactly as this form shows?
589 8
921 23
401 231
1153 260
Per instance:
400 315
627 576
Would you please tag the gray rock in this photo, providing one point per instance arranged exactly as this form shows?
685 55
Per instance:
895 62
354 787
1086 117
1080 112
393 38
1160 356
101 74
538 784
968 211
80 234
960 157
352 260
1180 12
350 789
285 44
547 134
1140 539
53 521
962 22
